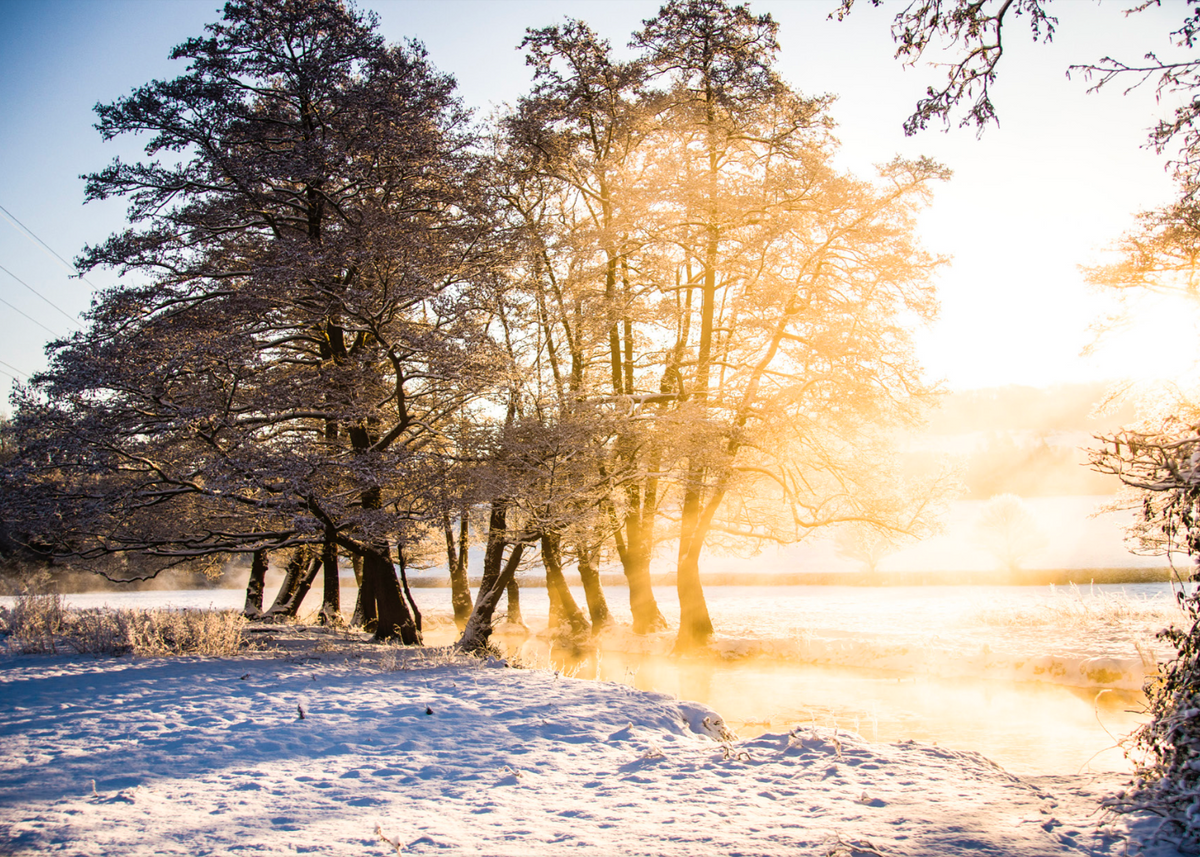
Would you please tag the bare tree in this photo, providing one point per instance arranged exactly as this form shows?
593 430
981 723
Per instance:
708 291
573 147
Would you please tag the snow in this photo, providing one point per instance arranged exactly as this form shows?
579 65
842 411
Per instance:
327 745
1039 679
1039 633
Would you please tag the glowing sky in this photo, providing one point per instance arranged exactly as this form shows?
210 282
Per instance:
1035 197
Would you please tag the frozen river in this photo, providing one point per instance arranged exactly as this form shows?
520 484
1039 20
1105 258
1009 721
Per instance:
1040 680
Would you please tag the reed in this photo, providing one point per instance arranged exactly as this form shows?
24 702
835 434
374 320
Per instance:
41 623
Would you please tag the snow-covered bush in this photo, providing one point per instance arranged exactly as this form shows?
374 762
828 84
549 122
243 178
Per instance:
35 621
40 623
1167 749
210 633
98 632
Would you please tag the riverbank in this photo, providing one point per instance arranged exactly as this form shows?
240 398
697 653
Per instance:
963 577
326 745
1041 680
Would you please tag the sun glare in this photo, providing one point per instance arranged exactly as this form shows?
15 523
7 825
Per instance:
1152 340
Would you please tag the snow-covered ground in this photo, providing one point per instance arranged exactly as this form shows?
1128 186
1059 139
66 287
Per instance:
329 747
1041 680
1066 635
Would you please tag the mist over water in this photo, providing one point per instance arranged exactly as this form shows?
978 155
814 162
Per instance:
935 691
1027 728
1041 680
930 664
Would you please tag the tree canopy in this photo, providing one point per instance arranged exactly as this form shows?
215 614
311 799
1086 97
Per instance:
643 306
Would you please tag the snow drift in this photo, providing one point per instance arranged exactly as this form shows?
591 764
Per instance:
323 753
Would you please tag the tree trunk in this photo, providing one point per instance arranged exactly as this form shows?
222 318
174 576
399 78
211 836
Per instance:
695 626
291 577
393 620
570 614
556 608
301 572
331 595
475 636
305 583
254 586
366 612
513 613
647 618
408 597
635 561
460 587
493 555
589 575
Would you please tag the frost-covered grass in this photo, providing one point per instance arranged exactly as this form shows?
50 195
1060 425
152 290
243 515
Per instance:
41 623
398 658
1070 608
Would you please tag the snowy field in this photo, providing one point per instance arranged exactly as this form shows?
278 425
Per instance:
1042 681
329 747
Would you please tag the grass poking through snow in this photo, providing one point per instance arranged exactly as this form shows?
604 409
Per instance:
41 623
1071 609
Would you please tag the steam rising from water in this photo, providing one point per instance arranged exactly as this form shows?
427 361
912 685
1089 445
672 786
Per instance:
932 664
949 649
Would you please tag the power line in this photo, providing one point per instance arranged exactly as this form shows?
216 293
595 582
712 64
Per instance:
14 377
14 368
8 215
31 318
62 311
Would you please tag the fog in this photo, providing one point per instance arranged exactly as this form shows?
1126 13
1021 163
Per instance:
1039 678
1027 728
1042 680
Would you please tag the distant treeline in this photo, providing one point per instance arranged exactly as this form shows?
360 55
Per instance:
1024 577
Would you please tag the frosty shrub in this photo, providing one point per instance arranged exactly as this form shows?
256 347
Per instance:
1167 748
35 621
98 632
41 624
397 659
187 632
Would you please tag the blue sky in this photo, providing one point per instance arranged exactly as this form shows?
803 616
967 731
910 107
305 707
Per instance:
1059 179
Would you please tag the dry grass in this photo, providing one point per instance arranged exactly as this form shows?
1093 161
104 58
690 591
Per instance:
40 623
398 658
1071 609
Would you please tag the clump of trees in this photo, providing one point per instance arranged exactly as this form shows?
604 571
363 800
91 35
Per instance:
643 307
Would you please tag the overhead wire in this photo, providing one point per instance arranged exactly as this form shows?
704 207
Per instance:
31 318
61 311
11 218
